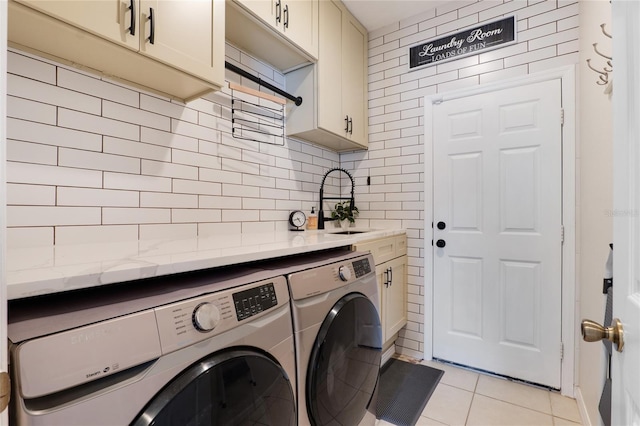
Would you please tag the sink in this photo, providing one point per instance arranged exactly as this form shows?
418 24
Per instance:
347 232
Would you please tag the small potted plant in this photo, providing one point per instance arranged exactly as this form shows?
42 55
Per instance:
344 213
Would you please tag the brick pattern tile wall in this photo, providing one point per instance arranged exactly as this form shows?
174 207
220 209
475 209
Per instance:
91 160
547 34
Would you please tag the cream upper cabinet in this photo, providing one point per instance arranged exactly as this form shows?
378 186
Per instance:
186 36
181 33
294 20
333 112
117 20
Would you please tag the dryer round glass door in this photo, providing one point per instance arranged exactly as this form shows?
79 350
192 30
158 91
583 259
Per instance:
237 387
345 363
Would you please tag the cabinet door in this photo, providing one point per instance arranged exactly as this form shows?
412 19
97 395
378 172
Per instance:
330 116
395 296
299 24
353 80
182 32
110 19
263 9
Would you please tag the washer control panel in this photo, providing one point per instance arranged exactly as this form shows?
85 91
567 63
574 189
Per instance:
361 267
184 323
254 300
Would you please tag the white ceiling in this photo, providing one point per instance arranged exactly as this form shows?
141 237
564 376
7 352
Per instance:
375 14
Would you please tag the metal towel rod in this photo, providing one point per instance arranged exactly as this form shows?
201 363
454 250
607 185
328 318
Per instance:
243 73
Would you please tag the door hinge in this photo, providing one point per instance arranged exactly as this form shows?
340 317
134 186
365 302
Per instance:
562 116
561 351
562 234
5 390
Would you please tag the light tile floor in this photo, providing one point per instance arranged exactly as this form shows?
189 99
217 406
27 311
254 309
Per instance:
464 397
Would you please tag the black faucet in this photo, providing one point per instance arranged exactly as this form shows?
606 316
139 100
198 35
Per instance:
321 218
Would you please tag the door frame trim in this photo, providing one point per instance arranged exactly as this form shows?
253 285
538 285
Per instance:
568 308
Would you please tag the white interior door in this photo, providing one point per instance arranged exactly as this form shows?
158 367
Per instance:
497 209
625 371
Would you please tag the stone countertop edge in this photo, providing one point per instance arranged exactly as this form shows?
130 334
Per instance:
33 271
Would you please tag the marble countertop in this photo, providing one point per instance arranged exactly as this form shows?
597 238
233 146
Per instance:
43 270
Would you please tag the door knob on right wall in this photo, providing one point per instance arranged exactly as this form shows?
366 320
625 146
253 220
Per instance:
594 332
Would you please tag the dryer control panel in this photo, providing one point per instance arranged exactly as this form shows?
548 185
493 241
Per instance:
187 322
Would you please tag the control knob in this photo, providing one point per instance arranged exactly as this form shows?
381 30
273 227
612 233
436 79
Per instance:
344 273
206 316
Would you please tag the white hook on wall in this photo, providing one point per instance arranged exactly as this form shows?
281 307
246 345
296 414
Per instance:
603 77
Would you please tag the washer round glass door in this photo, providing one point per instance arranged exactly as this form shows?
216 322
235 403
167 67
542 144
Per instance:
345 363
238 387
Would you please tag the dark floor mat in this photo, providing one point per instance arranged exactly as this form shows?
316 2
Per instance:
403 391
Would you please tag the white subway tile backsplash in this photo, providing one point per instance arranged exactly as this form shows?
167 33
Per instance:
51 216
196 187
195 131
135 116
515 6
553 39
30 195
158 168
458 24
95 124
477 7
556 62
483 68
530 57
94 86
97 161
68 196
29 237
192 158
121 216
169 140
172 231
51 135
168 108
438 20
240 215
26 109
158 199
49 94
125 148
96 234
52 175
136 182
213 202
31 68
195 215
31 152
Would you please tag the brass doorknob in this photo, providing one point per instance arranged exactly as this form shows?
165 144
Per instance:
594 332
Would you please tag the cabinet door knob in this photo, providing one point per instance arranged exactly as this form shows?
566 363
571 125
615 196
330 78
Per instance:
441 243
441 225
350 125
346 124
132 22
390 275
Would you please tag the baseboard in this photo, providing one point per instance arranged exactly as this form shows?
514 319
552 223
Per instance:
582 407
386 356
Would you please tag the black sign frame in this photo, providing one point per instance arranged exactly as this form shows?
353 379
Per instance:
471 41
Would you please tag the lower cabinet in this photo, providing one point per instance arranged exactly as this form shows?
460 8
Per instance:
392 286
390 257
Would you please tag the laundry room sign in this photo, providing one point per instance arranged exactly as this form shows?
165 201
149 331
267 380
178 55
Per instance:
467 42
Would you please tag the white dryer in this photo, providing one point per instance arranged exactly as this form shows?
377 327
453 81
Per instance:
214 347
338 337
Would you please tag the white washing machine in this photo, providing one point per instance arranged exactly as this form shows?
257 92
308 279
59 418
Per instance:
338 337
214 347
